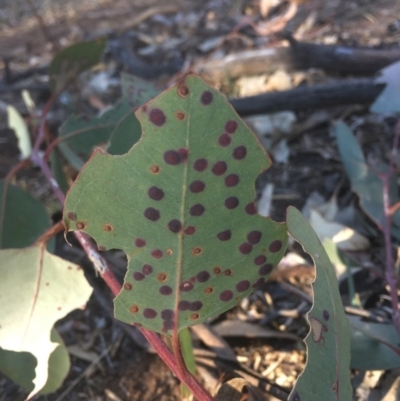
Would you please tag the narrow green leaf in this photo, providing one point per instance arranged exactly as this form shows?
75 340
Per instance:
22 218
326 375
37 289
180 204
73 60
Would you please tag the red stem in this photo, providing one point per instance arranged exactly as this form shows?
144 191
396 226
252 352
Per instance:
108 276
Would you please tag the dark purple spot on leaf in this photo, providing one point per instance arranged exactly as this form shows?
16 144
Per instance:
219 168
155 193
190 230
226 295
165 290
167 314
224 235
183 305
259 283
140 242
200 164
232 202
245 248
157 117
254 237
147 269
195 306
251 208
197 210
231 126
325 314
138 276
152 214
231 180
239 153
157 253
175 226
197 186
172 157
206 98
224 140
167 325
183 153
71 216
203 276
149 313
186 286
265 269
275 246
260 259
243 285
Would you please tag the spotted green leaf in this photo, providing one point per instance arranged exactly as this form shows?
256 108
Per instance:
180 204
327 373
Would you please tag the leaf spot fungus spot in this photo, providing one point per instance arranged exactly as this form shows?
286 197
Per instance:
195 306
260 260
190 230
138 276
224 140
134 309
254 237
157 117
224 235
197 186
172 157
245 248
334 387
81 225
265 269
231 126
174 226
197 210
128 286
226 295
217 270
140 242
147 269
258 283
200 165
155 193
101 248
232 202
219 168
232 180
251 208
208 290
184 153
144 108
180 115
239 153
275 246
228 272
183 305
203 276
183 91
194 316
108 227
71 216
157 253
186 286
167 314
206 98
165 290
196 251
162 277
325 314
154 169
243 285
169 251
149 313
152 214
167 325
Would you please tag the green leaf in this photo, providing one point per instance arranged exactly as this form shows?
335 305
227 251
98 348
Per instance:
18 125
73 60
37 289
117 129
326 375
180 204
374 346
22 218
